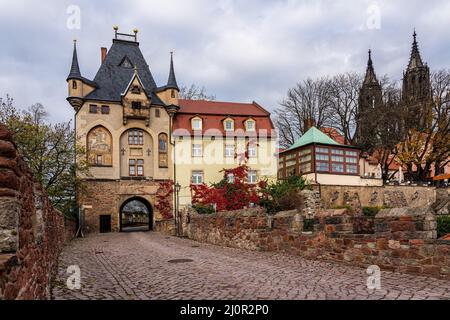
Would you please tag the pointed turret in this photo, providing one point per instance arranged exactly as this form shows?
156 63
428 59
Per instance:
370 77
75 68
172 81
415 61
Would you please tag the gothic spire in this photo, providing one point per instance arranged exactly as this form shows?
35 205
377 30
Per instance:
75 69
172 81
415 61
370 77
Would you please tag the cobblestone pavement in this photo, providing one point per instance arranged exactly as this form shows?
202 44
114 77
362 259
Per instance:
136 266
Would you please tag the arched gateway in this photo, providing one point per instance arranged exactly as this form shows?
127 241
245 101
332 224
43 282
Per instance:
136 214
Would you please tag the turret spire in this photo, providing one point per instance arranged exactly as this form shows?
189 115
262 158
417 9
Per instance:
172 81
370 77
75 68
415 61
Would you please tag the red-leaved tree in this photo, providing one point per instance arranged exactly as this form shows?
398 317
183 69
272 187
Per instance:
233 192
164 199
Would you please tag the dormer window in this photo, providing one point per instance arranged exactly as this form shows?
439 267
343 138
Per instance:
136 105
250 125
229 125
126 63
196 124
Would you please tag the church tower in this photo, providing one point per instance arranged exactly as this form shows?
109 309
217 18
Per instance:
370 100
416 93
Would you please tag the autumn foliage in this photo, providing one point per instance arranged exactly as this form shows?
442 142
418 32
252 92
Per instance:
233 192
164 197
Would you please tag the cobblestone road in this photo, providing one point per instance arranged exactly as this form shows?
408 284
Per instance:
136 266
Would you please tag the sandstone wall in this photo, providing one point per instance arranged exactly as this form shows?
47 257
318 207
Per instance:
32 232
389 196
400 241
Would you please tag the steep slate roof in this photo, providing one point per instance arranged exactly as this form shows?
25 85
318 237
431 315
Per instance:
313 135
370 77
112 78
172 81
415 61
75 68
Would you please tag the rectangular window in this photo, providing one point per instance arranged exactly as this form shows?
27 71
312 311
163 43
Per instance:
322 157
230 178
99 160
352 169
196 124
305 167
250 125
136 105
305 158
229 150
197 177
322 150
105 109
337 158
157 113
252 176
132 167
304 152
140 167
197 150
136 137
228 125
92 108
337 167
351 160
251 150
337 151
322 166
351 153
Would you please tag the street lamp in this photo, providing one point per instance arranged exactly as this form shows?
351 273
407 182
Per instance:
177 212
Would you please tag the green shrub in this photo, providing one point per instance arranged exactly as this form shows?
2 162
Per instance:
370 211
443 226
203 208
284 194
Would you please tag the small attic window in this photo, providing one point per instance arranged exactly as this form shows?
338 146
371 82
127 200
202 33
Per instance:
126 63
136 105
135 89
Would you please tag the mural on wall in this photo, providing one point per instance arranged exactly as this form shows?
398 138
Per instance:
99 145
162 148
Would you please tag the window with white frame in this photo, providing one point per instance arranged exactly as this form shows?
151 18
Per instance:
229 150
197 177
250 125
197 150
229 125
252 176
196 124
230 178
251 149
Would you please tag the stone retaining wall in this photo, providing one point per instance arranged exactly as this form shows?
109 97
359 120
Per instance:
400 242
32 232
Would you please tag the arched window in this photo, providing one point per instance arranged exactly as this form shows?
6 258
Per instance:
162 150
74 85
99 147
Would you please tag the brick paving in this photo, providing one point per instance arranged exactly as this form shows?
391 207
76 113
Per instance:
135 266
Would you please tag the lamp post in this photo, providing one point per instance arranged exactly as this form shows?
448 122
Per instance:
177 208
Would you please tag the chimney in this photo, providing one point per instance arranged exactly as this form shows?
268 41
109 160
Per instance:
104 51
308 123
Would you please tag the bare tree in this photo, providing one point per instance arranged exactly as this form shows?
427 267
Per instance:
308 101
195 92
344 104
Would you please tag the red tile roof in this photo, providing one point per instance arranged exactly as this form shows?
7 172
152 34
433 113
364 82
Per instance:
334 134
214 112
446 237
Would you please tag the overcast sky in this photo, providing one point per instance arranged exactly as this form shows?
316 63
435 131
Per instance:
241 50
